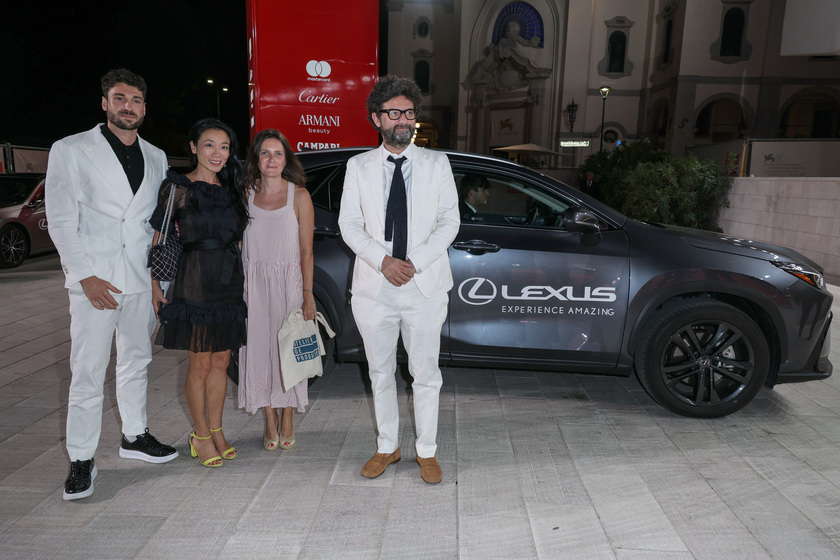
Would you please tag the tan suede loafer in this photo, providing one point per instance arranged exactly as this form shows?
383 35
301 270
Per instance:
430 470
378 462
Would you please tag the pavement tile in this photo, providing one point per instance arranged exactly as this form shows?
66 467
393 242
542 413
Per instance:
536 465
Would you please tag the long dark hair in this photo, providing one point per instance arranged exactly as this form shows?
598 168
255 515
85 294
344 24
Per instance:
232 175
293 172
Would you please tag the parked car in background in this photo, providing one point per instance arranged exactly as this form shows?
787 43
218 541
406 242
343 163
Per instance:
548 278
23 220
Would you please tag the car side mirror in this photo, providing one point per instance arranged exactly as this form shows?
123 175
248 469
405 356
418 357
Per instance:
578 219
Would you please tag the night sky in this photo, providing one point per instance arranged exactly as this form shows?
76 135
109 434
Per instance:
54 54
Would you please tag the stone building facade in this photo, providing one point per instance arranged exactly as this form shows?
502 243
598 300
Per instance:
683 73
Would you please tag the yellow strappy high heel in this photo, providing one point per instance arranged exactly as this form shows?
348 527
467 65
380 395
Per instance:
211 462
230 453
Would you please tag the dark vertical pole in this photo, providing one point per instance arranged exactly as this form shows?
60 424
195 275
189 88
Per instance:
603 109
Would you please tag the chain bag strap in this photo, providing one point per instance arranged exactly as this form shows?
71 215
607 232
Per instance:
166 254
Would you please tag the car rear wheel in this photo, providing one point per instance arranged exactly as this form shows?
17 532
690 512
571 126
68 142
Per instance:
14 247
702 359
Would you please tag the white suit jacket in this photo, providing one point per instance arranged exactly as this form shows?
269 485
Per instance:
97 225
434 220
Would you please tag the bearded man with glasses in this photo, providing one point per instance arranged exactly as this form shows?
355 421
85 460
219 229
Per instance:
399 214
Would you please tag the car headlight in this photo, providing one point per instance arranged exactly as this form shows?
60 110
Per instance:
803 273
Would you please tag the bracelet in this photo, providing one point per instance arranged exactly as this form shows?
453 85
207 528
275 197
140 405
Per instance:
310 291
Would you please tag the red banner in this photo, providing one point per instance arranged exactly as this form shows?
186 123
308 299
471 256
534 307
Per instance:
311 67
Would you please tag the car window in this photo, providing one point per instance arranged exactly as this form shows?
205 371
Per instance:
511 201
325 184
498 199
13 191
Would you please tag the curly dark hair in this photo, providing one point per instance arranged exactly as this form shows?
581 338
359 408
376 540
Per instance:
293 172
232 175
122 76
389 87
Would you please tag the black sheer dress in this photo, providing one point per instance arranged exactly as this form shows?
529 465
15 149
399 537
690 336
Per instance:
206 310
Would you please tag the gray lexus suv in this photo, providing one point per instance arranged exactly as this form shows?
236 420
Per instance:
547 278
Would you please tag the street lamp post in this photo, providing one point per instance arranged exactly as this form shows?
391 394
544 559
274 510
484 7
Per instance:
218 105
605 91
572 108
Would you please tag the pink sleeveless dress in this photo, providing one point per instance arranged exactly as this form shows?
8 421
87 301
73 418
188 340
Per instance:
273 288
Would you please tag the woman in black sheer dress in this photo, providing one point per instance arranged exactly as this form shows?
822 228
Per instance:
204 311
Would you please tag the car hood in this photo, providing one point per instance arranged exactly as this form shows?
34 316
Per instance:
11 211
723 243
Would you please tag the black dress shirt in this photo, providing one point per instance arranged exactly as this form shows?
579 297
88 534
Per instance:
131 157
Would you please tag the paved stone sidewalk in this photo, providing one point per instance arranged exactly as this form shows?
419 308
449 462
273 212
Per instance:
536 465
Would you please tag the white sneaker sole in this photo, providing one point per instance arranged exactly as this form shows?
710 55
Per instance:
130 454
86 493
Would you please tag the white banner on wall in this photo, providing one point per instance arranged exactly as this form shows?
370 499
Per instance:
30 160
795 158
774 158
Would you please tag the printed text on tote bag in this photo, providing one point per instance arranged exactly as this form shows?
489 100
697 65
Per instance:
306 348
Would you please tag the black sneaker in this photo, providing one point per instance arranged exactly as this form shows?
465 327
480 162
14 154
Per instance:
147 448
79 483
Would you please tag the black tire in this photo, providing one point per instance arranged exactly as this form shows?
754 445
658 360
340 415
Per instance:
14 246
702 359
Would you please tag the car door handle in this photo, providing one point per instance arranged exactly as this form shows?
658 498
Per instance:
476 247
326 232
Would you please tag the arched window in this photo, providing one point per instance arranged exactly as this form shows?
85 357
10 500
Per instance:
524 19
421 75
732 33
721 120
616 62
669 37
732 45
617 52
811 115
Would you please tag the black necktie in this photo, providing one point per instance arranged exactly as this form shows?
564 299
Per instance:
396 213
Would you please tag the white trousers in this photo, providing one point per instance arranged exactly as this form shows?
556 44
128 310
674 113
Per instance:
403 311
91 333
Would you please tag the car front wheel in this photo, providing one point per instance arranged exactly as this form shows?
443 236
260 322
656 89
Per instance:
14 247
702 359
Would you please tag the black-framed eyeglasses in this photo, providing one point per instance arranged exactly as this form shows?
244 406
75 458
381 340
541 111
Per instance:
395 114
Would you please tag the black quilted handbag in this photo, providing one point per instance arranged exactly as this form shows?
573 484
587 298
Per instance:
166 254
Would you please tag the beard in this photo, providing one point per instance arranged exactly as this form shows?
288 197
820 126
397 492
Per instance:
399 136
116 120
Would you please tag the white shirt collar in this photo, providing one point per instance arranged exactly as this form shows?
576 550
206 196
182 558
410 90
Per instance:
407 153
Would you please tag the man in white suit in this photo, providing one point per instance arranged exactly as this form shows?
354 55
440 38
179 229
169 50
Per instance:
101 189
399 214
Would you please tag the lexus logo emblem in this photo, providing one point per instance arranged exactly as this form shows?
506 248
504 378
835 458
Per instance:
318 69
477 291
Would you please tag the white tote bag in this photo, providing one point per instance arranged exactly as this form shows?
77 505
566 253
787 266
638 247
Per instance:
301 348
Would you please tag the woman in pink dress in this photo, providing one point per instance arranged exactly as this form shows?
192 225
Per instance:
278 259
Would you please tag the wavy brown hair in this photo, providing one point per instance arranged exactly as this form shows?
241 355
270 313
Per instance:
293 172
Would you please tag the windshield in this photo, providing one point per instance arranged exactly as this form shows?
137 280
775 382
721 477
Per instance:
14 191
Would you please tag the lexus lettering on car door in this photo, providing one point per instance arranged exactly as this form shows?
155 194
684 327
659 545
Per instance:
526 288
